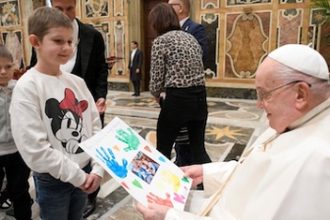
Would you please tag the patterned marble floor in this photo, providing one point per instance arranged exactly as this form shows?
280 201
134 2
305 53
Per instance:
232 126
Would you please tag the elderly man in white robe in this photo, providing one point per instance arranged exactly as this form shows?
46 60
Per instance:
285 174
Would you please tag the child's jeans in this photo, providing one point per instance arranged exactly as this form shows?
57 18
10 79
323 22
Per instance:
58 200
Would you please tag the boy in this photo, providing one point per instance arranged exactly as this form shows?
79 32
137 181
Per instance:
10 160
52 112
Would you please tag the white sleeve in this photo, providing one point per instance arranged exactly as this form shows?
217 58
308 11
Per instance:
216 174
174 214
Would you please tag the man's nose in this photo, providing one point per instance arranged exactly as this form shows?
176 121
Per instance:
260 104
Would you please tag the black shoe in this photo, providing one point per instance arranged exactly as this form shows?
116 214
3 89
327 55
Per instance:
10 212
89 208
5 203
134 94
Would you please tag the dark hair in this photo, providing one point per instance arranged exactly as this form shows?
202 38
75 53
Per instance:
44 18
5 53
163 18
135 43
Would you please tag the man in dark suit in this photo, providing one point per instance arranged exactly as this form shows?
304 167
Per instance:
88 62
134 67
182 8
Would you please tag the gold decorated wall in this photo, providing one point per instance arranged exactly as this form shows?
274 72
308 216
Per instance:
240 34
13 28
110 17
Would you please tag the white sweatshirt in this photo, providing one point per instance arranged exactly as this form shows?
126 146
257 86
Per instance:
50 116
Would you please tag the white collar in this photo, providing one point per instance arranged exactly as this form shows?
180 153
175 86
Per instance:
183 21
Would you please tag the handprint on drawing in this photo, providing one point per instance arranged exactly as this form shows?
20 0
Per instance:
170 178
152 198
110 161
128 138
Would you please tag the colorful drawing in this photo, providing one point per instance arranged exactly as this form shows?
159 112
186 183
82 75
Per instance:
142 170
144 167
172 179
120 171
152 198
129 138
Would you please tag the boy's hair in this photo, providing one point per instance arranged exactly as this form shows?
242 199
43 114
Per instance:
51 2
5 53
44 18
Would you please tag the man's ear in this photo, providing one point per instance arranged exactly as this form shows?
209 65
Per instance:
303 95
34 41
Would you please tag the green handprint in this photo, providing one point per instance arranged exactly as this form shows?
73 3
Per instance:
128 138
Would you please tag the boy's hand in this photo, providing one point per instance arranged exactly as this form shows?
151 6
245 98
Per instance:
91 183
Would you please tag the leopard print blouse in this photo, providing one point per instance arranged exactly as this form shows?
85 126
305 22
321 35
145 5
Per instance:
176 62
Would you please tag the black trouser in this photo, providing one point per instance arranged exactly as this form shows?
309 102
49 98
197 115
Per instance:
184 107
17 174
93 195
136 84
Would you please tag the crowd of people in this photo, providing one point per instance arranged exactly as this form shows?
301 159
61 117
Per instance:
60 102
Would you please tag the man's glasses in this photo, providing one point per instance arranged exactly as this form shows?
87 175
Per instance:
266 95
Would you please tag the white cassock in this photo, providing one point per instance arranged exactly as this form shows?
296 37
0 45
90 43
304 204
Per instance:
285 177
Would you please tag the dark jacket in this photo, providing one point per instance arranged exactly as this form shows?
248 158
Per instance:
197 30
137 64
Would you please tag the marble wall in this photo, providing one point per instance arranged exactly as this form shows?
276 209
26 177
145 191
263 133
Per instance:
242 32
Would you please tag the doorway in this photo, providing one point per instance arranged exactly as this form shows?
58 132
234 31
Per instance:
149 36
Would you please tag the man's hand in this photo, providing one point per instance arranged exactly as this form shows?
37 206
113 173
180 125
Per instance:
195 172
137 70
157 99
153 212
100 105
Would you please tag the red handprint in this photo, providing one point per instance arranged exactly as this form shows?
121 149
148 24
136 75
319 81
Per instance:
152 198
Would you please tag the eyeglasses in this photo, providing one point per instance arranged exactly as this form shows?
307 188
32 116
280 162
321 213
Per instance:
266 95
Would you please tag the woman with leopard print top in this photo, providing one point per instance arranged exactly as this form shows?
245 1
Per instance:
177 66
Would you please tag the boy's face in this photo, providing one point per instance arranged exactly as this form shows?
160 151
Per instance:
56 46
6 71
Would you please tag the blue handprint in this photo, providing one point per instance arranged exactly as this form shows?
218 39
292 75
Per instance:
110 161
128 138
